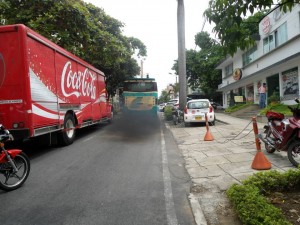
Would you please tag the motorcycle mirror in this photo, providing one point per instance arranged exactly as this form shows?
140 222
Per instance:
297 100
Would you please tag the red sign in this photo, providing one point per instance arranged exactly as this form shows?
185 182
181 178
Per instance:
266 25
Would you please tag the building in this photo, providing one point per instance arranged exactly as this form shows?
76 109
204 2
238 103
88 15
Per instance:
275 60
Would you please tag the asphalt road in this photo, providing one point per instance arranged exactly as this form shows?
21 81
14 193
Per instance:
128 172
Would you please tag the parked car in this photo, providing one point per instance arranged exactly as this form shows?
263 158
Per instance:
195 111
161 107
175 102
216 106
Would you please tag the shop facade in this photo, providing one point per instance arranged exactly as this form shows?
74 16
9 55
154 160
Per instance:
274 60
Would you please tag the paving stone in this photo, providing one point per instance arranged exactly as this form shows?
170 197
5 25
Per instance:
240 157
208 171
213 160
241 149
214 151
239 167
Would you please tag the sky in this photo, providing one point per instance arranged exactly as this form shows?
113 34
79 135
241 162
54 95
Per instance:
154 22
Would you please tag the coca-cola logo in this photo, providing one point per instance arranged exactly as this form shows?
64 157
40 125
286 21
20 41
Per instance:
2 70
77 82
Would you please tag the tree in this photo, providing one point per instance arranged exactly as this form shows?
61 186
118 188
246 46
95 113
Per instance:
228 15
201 72
164 97
83 29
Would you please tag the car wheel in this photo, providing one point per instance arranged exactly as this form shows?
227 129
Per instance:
212 123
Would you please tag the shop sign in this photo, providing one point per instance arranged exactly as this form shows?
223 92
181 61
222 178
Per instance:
266 25
237 74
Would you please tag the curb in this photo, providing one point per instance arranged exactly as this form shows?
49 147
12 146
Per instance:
197 210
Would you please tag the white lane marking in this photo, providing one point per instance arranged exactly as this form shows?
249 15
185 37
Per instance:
171 214
90 138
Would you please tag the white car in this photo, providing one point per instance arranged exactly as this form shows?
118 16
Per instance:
161 107
175 102
195 111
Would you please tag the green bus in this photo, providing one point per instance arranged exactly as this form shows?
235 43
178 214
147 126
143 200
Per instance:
140 95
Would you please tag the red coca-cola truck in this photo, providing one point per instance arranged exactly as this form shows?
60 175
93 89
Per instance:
45 89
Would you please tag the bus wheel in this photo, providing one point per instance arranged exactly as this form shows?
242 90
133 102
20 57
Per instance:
68 134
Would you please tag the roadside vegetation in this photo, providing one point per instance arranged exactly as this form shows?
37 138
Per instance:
254 199
83 29
237 107
277 107
168 113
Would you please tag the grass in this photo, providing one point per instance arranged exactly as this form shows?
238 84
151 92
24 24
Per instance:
277 107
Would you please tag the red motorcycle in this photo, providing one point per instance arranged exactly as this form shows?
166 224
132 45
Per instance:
281 134
14 164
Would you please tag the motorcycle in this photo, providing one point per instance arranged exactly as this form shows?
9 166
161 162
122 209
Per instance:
282 134
177 116
14 164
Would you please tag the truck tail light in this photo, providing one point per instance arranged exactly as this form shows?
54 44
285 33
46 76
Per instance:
18 125
211 109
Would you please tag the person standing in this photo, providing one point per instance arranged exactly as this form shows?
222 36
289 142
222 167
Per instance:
262 95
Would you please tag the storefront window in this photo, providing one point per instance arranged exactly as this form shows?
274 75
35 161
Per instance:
290 84
250 93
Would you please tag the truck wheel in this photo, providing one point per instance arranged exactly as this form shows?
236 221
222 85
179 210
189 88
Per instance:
68 134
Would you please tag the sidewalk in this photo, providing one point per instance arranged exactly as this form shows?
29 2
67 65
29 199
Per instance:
215 165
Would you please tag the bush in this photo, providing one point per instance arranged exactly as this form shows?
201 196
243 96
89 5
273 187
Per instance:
274 97
168 113
237 107
249 199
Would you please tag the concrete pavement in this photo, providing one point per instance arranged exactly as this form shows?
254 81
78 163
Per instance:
215 165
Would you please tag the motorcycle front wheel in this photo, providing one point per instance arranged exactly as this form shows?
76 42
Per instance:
294 153
11 180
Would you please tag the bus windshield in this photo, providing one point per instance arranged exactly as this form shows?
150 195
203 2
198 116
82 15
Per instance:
140 86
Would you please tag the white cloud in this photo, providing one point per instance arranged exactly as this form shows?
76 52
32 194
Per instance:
155 24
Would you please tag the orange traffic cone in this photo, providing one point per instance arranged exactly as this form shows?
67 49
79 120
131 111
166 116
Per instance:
260 161
208 136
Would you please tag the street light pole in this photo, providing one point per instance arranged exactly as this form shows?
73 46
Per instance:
181 54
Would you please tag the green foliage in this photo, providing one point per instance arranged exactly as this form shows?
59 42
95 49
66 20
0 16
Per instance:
275 97
200 65
253 208
168 113
249 201
233 30
237 107
164 97
83 29
278 107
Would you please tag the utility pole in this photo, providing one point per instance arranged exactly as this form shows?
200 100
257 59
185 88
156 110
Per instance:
181 54
142 68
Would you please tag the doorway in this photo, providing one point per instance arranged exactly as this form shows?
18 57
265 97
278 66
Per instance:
273 85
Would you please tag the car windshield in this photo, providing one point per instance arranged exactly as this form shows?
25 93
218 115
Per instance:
198 105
